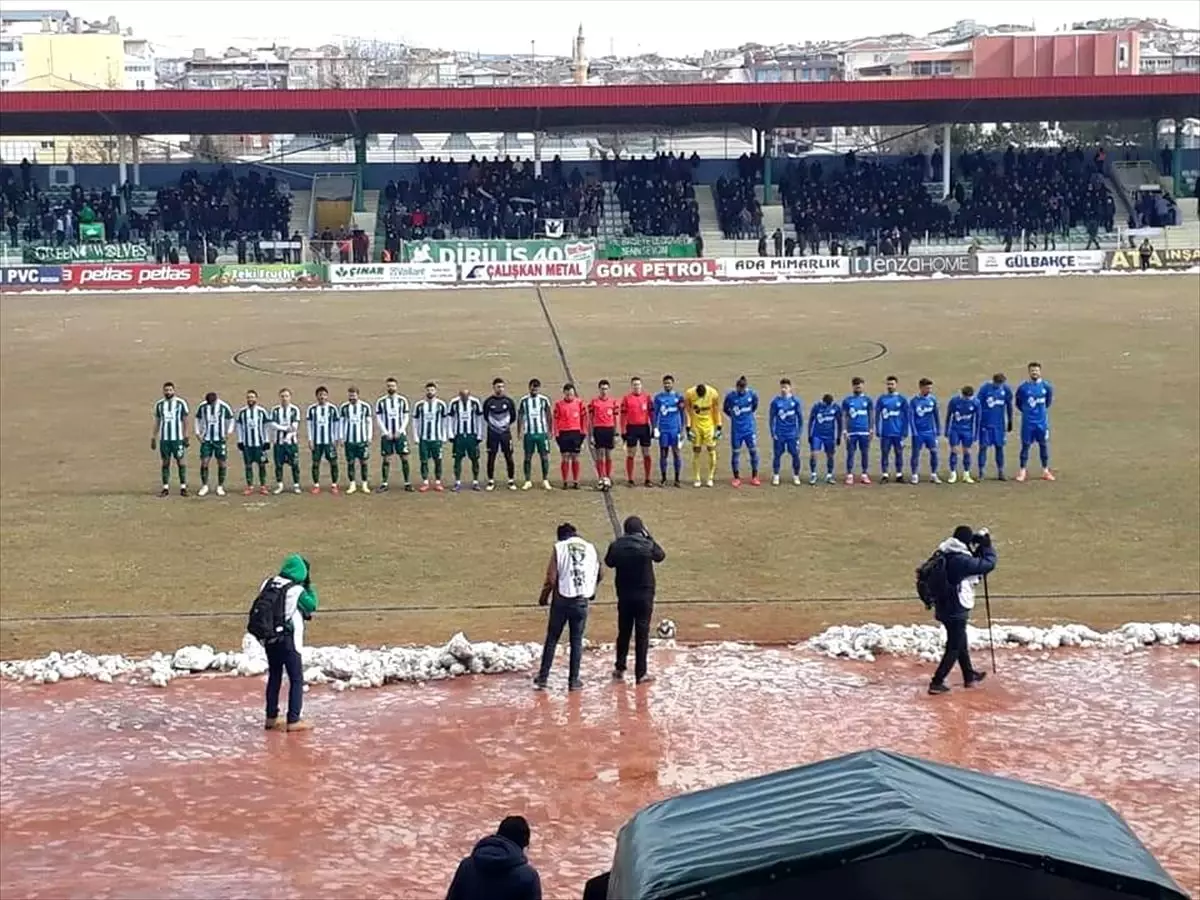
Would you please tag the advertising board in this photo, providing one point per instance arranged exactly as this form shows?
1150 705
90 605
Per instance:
393 273
1033 261
531 270
30 276
496 251
123 276
1131 261
923 264
784 266
634 270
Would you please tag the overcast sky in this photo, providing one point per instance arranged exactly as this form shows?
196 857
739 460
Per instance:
626 27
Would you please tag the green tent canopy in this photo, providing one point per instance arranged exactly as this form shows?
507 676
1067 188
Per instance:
878 825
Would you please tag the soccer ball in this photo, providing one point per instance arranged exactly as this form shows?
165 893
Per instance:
666 629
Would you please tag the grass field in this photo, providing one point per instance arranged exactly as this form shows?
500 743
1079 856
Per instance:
81 532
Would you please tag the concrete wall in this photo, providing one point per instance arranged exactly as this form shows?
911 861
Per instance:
1029 56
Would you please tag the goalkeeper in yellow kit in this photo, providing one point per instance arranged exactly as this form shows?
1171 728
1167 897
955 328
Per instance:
702 406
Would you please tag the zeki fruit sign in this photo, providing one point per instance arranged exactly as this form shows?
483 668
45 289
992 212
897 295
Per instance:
497 251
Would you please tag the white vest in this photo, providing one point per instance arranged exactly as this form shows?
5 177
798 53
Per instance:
578 569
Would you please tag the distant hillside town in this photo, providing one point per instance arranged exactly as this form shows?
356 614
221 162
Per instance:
51 50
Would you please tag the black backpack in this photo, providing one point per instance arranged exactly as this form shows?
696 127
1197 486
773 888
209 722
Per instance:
268 613
933 582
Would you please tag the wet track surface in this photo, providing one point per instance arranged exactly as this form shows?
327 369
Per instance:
132 792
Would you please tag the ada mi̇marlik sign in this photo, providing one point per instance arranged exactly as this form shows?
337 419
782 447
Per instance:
497 251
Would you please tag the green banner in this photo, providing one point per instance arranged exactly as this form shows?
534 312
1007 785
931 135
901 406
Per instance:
91 231
263 273
88 253
650 248
495 251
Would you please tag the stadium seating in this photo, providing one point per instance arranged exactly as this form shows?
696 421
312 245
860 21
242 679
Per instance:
655 195
489 199
203 215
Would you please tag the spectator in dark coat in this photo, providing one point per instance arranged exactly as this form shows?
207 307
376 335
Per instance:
953 608
634 556
497 868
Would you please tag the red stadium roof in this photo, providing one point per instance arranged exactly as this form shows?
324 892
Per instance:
423 110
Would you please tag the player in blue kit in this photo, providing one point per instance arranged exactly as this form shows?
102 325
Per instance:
995 421
856 414
962 430
891 427
1034 399
784 418
668 427
925 424
741 406
824 433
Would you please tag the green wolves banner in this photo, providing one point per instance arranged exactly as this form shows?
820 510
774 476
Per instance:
650 248
497 251
264 274
88 253
1131 260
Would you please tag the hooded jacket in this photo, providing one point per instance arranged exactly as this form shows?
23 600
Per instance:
496 870
634 555
963 572
301 600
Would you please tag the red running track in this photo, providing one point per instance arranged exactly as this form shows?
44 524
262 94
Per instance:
133 792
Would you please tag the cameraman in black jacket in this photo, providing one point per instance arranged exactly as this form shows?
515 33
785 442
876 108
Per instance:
969 556
634 555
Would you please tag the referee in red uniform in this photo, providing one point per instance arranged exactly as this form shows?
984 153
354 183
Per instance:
602 417
570 423
636 407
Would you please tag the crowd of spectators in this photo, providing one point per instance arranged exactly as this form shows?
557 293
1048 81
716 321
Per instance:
1040 194
489 199
202 215
739 214
657 193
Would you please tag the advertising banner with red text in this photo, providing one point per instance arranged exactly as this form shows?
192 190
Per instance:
123 276
528 270
632 271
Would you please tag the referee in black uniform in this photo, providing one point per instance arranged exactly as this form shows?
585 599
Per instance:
500 412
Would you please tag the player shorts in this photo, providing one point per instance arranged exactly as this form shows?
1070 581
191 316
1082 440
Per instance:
285 454
427 450
214 449
669 439
324 451
749 441
466 445
397 446
171 449
638 435
961 438
570 441
536 443
992 436
704 436
604 437
1034 434
822 444
499 442
924 442
254 453
358 451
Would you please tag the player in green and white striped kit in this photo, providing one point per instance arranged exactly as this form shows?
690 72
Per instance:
285 422
324 431
464 415
429 424
356 437
533 428
253 426
392 414
170 437
214 424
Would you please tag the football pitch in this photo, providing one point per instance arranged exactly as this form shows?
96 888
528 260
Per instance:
91 558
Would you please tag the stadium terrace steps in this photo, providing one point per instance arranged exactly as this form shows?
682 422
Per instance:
301 204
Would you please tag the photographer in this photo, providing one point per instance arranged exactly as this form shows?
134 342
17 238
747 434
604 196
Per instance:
284 603
969 556
634 556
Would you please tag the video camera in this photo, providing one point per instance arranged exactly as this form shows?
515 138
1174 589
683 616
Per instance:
979 540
